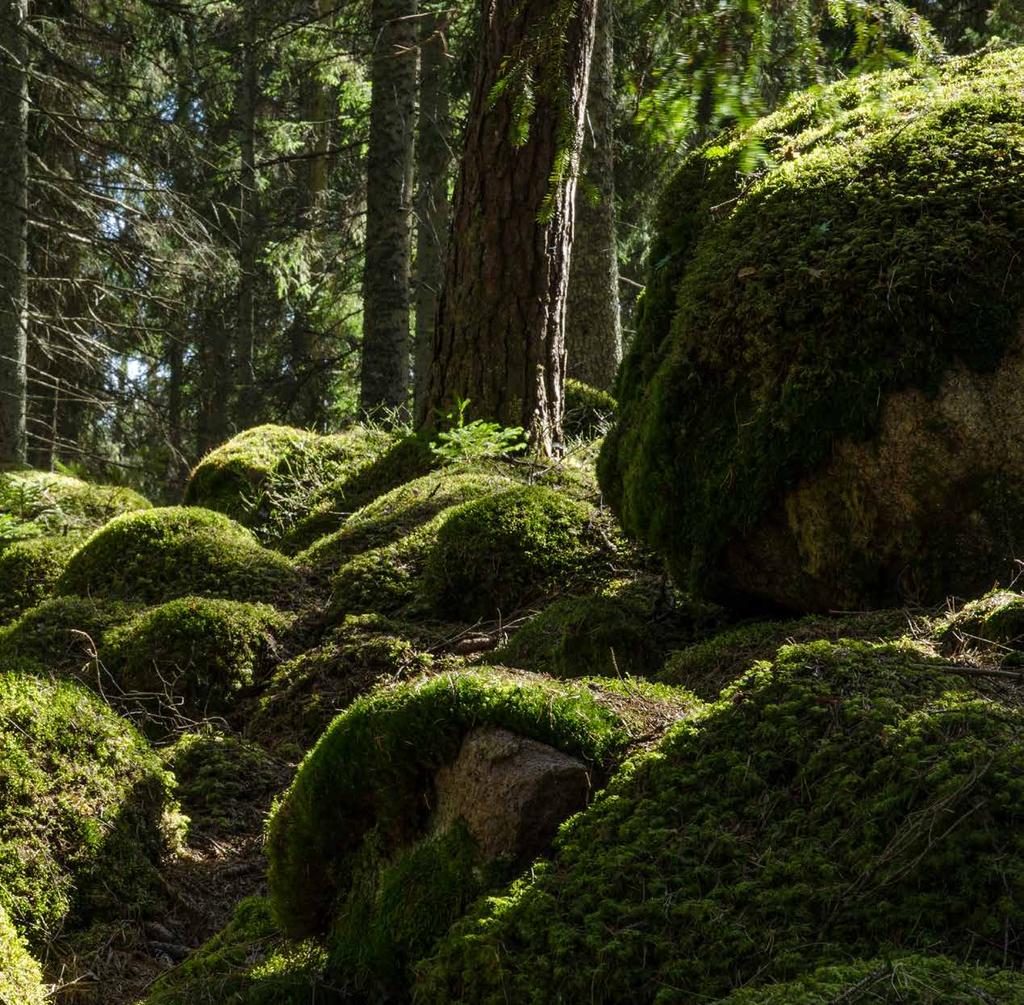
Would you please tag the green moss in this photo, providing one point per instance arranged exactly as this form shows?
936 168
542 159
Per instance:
588 410
708 665
29 571
21 980
835 804
63 635
399 512
224 783
195 650
84 807
157 555
306 693
371 768
406 460
629 627
866 256
907 980
497 554
994 625
263 477
248 963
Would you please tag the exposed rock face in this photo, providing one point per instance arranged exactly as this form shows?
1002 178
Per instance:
512 792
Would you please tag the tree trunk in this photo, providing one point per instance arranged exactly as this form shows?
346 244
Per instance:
500 338
384 383
593 332
214 380
433 169
248 238
13 229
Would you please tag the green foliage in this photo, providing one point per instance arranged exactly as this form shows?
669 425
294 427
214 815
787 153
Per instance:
85 808
264 477
160 554
21 980
588 411
461 442
907 980
196 651
248 963
371 768
835 804
29 571
496 554
785 306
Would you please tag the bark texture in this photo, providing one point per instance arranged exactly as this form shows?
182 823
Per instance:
13 229
433 209
593 333
500 339
384 378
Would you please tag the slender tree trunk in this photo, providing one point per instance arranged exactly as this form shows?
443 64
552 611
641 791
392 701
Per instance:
13 229
248 237
433 170
501 320
214 378
593 332
386 287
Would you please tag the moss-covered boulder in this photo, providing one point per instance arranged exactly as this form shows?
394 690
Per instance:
264 477
29 571
904 980
842 802
85 808
351 846
64 634
195 653
993 625
494 555
823 406
21 980
589 411
159 554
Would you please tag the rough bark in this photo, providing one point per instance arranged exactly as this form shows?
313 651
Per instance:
13 229
501 319
433 208
593 332
384 377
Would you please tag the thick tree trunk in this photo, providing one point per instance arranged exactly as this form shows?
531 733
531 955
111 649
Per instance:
386 286
433 169
593 332
248 237
501 320
13 229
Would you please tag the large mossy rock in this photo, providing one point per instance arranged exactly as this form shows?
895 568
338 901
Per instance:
85 808
823 407
160 554
21 981
846 801
30 570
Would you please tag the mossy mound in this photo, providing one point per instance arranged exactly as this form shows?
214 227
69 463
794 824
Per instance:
85 808
39 503
249 963
906 980
29 571
224 783
839 803
360 805
159 554
589 411
708 665
196 652
629 627
264 477
497 554
21 980
822 408
994 624
306 693
399 512
64 634
404 461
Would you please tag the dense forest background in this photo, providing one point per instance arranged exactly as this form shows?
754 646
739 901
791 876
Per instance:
237 211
